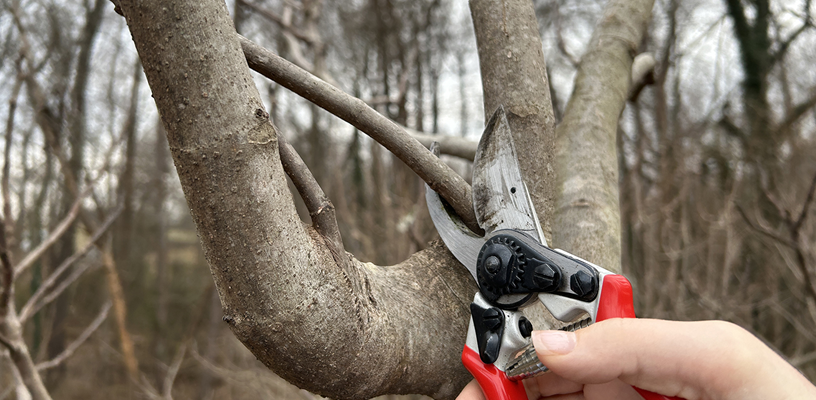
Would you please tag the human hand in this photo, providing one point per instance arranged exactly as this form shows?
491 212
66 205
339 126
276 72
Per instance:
691 360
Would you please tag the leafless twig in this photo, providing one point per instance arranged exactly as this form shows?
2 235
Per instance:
278 20
764 231
451 145
321 209
52 238
7 273
172 372
36 301
797 224
439 176
69 351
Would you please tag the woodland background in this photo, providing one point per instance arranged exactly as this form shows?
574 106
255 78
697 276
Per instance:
717 174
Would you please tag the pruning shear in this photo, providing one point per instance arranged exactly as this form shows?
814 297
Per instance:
514 267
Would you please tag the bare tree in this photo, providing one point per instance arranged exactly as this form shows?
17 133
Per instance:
319 318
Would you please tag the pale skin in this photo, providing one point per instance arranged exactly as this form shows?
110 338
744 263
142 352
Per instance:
691 360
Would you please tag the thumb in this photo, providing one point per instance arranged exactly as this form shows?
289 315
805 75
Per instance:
691 360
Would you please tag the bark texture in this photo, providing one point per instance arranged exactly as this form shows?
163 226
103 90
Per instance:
12 331
346 333
514 74
587 214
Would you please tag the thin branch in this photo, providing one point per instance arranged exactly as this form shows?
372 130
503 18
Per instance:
292 35
783 48
69 351
321 210
172 372
279 20
36 301
764 231
798 111
562 46
730 128
439 176
451 145
4 180
148 389
52 238
805 207
7 273
794 320
784 214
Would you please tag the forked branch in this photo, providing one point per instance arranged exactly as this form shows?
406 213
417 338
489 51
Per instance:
321 209
439 176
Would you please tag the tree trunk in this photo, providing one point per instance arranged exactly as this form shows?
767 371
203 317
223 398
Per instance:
349 333
587 217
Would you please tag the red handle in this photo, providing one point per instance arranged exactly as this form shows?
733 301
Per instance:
616 302
493 381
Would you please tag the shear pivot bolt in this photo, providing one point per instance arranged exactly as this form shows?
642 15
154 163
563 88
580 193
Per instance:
492 264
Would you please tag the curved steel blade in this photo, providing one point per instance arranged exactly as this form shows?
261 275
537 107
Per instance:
500 197
463 243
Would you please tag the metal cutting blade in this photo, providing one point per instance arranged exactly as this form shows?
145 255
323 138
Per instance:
500 197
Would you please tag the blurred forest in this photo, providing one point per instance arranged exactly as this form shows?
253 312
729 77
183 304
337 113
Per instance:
110 293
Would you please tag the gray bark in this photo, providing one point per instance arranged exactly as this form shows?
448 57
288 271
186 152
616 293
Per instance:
11 330
587 215
346 333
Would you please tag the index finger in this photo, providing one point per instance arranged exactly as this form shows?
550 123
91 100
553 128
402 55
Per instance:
711 359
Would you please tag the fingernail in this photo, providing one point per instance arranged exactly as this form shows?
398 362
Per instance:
553 342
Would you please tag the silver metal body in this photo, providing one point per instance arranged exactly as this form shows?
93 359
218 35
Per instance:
501 201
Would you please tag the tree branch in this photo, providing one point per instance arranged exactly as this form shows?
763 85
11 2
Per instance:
4 180
321 210
172 372
279 20
52 238
344 335
7 274
439 176
796 113
783 48
797 224
71 348
730 128
764 231
34 303
587 221
451 145
559 34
